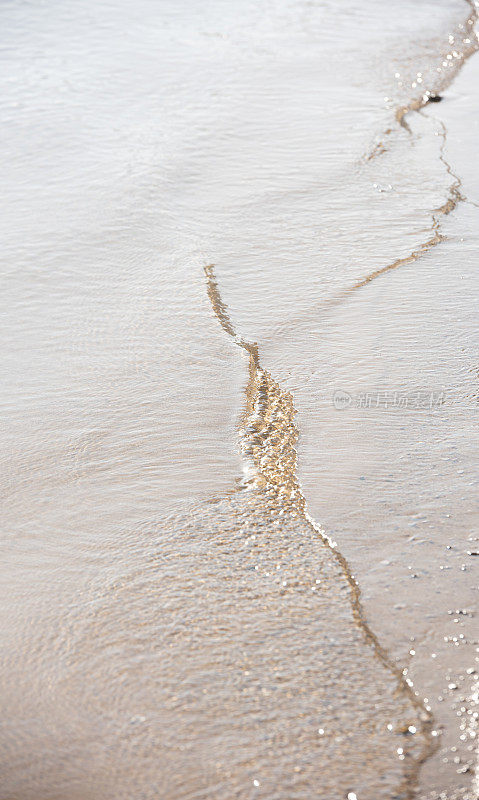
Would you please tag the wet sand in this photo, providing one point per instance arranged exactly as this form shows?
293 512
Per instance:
240 358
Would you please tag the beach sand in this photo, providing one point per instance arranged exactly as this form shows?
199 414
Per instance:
240 438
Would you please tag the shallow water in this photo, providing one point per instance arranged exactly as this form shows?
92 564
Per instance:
174 624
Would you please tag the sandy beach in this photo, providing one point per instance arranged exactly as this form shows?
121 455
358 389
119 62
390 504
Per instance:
239 552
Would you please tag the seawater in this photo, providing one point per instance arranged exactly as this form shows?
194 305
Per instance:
215 581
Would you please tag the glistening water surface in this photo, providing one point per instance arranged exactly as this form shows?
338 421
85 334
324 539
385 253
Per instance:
174 623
